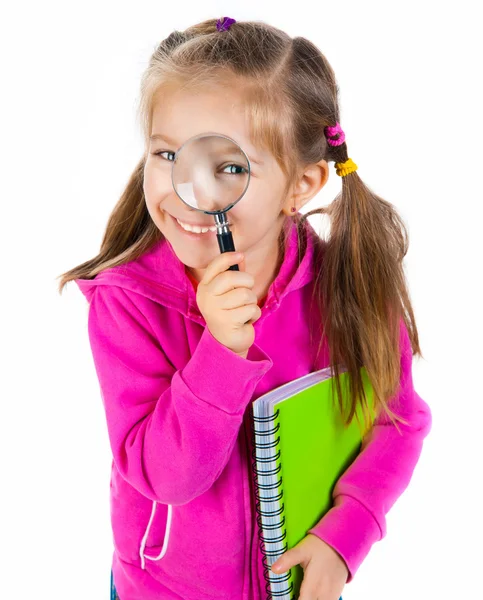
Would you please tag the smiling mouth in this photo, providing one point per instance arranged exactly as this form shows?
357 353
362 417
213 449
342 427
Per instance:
195 228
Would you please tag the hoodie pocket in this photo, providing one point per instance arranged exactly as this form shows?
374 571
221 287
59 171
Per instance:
139 525
155 541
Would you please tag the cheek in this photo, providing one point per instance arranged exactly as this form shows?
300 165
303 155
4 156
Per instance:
149 187
156 186
256 213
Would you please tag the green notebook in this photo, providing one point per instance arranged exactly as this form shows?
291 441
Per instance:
302 448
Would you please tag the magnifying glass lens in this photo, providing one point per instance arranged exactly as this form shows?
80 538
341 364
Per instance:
210 173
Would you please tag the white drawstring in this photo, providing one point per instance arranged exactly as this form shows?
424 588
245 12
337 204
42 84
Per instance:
146 533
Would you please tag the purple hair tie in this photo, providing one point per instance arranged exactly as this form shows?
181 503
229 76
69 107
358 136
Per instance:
330 132
224 23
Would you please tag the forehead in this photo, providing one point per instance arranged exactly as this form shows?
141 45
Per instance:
181 114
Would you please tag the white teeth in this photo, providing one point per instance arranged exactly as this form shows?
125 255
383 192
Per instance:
195 228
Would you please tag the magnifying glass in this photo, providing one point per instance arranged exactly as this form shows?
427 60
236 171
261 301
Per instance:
210 173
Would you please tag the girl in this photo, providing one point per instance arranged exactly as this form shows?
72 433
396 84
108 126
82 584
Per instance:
182 345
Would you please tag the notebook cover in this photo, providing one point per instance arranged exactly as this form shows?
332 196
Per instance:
313 450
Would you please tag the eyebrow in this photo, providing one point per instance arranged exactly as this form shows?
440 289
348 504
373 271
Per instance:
166 138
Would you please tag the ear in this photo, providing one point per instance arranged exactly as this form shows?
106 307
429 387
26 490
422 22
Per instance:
310 182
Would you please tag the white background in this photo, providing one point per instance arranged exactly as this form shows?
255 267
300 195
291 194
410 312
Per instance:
409 75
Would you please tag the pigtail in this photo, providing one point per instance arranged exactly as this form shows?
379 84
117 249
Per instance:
129 232
363 287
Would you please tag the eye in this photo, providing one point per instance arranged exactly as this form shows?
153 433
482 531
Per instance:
163 152
243 170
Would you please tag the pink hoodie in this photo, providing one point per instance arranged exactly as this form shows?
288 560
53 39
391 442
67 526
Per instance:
176 404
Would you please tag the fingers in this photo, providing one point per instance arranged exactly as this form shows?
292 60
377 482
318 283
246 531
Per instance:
237 297
219 280
221 264
245 315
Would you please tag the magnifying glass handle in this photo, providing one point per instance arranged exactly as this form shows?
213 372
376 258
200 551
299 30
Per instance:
225 239
225 242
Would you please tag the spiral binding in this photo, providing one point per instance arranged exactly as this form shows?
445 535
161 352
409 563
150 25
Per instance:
270 546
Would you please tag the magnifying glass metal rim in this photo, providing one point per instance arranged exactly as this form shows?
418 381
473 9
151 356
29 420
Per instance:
210 134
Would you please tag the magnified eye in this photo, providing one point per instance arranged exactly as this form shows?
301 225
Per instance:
243 170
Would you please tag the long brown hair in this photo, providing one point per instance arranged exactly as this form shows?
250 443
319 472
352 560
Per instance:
290 96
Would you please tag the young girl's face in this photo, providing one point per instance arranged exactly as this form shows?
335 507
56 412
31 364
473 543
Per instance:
255 221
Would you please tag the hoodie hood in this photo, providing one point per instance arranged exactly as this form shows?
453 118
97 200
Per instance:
158 274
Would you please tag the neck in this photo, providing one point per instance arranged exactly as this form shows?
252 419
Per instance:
264 268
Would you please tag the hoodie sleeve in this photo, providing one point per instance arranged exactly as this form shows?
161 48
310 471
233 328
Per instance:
171 431
367 490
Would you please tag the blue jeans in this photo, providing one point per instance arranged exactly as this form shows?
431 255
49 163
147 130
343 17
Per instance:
114 595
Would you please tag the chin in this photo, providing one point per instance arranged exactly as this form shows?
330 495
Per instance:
195 264
189 260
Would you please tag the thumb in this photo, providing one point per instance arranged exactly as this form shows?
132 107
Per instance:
286 561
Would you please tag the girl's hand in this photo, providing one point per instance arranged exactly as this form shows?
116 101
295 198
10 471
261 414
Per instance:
228 304
325 572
